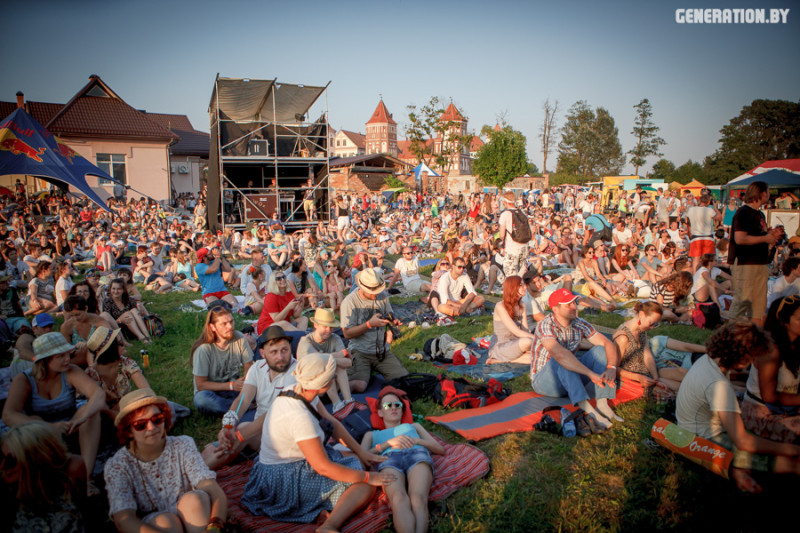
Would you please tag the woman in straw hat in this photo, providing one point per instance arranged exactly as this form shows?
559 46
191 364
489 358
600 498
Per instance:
322 340
49 391
159 481
297 476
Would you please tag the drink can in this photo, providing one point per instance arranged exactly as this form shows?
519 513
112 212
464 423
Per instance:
146 360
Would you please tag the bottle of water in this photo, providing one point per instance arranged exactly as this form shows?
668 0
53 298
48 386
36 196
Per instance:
568 428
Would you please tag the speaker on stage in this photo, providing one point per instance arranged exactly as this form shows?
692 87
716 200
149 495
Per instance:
258 147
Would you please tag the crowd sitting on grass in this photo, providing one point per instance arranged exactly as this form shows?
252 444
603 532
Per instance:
76 388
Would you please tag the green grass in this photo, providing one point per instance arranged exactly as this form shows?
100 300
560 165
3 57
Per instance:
537 482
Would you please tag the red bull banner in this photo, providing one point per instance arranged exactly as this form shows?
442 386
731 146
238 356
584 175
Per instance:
27 148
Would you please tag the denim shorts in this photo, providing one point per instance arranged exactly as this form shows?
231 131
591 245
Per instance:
404 460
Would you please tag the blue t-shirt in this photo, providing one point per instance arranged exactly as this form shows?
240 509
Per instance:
209 282
382 435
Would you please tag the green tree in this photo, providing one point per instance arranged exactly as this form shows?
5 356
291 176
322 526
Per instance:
425 124
533 170
690 171
765 130
663 169
501 159
647 140
589 143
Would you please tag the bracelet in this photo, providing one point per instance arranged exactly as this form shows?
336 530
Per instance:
611 367
345 352
366 477
378 448
230 385
215 524
239 436
368 325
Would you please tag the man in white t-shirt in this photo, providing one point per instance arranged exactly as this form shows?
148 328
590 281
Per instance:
256 261
407 268
266 379
788 284
622 234
701 220
456 293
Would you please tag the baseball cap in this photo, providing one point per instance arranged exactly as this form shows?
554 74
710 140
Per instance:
561 296
42 320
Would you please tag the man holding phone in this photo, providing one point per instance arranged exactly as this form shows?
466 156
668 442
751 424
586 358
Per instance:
209 267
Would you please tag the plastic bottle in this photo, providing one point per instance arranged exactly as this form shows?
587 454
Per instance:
568 428
145 359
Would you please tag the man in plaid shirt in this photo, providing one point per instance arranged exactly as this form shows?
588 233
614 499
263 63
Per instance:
557 371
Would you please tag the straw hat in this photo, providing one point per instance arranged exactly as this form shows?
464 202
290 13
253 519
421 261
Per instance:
370 281
50 344
101 339
325 317
136 400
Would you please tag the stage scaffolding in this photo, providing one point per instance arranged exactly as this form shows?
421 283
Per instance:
266 155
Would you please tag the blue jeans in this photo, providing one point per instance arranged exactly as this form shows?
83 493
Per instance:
555 380
217 403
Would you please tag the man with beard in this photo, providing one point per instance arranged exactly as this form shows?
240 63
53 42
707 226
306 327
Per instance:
266 379
557 370
220 359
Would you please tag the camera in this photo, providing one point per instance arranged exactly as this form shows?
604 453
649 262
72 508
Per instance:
396 333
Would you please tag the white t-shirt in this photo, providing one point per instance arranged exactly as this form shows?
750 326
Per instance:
286 424
267 388
705 392
246 277
782 288
506 224
449 289
624 237
701 220
63 284
409 270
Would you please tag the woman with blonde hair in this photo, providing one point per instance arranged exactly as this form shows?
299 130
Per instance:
281 307
44 478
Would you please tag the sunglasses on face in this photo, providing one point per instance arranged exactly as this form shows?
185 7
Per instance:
458 266
389 405
280 278
141 425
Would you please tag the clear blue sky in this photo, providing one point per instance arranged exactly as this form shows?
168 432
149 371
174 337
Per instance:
488 56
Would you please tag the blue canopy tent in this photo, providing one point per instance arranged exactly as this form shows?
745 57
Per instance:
27 148
773 178
422 167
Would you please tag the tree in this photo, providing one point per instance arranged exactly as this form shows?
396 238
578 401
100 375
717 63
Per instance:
647 140
548 130
690 171
425 124
663 169
501 159
589 143
765 130
533 170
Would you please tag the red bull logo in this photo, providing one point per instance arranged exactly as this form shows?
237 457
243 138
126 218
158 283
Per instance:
15 145
66 151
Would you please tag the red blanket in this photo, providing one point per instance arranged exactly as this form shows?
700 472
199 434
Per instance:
461 465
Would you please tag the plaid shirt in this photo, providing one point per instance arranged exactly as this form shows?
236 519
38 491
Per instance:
570 338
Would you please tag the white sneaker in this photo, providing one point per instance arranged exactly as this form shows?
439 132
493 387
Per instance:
338 406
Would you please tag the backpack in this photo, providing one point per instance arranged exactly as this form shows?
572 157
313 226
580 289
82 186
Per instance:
441 349
459 393
520 227
706 315
417 385
602 229
155 326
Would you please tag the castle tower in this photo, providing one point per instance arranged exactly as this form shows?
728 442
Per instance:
460 163
381 132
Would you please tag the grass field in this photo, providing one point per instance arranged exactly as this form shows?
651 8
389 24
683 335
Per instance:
538 481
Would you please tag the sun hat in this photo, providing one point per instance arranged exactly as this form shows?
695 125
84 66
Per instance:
561 296
370 281
50 344
42 320
325 317
272 333
136 400
202 253
315 371
101 339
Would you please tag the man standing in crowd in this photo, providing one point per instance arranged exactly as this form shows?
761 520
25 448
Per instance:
514 253
365 314
407 268
701 220
557 371
220 359
748 254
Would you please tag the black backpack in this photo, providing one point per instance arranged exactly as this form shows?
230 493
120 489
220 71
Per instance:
417 385
459 393
520 227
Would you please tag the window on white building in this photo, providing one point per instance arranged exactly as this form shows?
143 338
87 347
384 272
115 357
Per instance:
113 165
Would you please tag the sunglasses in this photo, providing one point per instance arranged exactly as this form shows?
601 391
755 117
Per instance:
791 300
389 405
141 425
444 264
280 278
458 266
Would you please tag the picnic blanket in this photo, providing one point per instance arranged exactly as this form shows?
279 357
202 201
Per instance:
203 306
482 371
461 465
519 412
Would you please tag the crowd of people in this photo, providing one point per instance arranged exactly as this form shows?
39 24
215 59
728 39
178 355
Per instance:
545 257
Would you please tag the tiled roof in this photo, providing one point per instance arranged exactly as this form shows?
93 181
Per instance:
41 111
359 139
451 113
191 142
98 116
475 143
381 115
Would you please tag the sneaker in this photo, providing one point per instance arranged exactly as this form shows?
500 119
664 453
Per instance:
338 406
445 321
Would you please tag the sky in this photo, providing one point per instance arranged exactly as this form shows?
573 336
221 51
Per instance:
492 58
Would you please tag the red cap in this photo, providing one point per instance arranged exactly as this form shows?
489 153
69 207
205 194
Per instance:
201 253
561 296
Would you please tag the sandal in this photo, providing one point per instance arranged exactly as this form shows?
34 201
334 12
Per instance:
582 426
594 426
